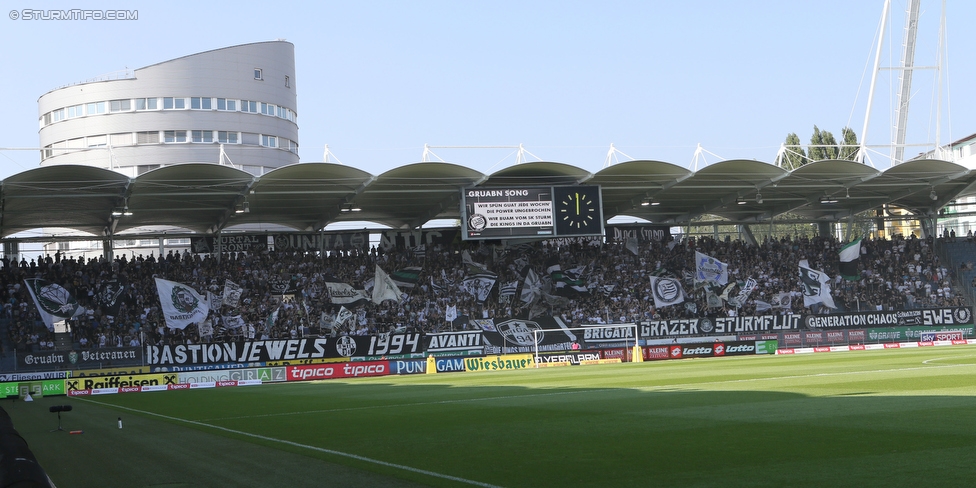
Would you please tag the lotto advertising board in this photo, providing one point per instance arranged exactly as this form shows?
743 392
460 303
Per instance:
718 349
521 212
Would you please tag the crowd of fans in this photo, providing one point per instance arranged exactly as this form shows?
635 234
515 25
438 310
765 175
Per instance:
895 274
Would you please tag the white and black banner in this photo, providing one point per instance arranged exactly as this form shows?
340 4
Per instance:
345 294
522 335
657 329
337 241
229 243
465 343
609 336
284 350
88 358
930 317
638 233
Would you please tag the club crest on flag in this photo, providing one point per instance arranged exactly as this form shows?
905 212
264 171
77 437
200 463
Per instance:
520 332
183 300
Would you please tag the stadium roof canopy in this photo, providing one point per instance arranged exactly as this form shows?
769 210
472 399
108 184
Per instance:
207 198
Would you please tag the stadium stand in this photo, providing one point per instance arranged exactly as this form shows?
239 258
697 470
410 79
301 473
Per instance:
584 281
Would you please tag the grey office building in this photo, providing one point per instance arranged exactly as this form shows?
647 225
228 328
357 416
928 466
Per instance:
234 106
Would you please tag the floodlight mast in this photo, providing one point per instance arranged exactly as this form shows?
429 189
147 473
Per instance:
905 86
863 150
906 71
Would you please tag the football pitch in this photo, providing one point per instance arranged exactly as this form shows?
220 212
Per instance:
868 418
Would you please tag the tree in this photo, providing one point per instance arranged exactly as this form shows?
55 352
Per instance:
830 152
822 145
849 151
795 156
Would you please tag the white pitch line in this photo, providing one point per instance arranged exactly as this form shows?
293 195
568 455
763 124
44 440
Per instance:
927 361
305 446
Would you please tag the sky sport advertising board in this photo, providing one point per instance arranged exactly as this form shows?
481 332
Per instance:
523 212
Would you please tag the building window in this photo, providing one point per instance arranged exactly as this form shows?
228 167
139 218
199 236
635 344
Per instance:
97 141
249 106
145 104
200 103
250 138
76 111
269 141
174 136
202 136
225 137
225 104
145 168
95 108
287 82
147 137
170 103
121 139
120 105
258 74
267 109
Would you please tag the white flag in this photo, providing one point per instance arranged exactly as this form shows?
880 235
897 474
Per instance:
232 294
384 288
181 304
667 291
815 287
341 317
233 321
710 269
53 301
205 328
451 313
532 287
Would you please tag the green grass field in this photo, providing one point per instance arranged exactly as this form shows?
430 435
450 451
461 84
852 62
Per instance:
871 418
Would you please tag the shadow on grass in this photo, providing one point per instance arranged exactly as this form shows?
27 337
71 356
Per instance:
504 436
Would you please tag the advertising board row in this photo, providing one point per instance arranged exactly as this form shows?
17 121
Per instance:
511 336
133 383
875 335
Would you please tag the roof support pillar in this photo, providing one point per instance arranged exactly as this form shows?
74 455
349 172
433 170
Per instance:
108 249
11 251
747 234
825 229
929 226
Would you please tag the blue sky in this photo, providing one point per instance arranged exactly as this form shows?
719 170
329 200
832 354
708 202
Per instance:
378 80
